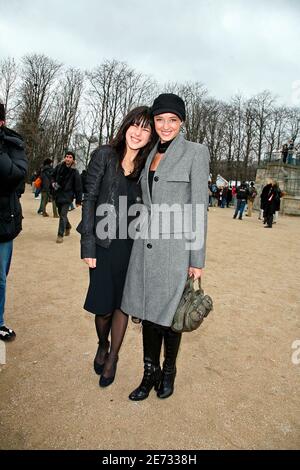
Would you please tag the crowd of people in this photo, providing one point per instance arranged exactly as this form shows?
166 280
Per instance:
243 196
270 203
290 152
59 185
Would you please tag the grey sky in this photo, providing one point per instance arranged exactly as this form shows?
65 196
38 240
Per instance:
229 45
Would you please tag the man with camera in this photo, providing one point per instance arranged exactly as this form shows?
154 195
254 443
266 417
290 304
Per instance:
13 169
66 183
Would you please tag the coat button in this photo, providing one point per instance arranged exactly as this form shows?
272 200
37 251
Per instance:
149 246
156 178
138 199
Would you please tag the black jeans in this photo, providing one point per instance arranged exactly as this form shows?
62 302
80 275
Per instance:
63 218
268 218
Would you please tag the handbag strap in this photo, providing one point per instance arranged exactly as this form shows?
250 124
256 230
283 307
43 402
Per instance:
191 282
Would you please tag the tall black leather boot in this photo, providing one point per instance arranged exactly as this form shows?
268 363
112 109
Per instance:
152 341
171 343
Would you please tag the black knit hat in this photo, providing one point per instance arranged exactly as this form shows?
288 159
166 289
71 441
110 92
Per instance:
2 112
169 103
70 153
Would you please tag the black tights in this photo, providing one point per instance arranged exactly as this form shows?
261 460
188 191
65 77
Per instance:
115 324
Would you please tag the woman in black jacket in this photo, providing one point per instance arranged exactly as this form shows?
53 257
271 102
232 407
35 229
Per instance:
113 172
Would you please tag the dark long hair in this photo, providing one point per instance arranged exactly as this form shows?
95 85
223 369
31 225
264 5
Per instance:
141 116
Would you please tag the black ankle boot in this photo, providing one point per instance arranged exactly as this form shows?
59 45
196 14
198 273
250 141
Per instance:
151 378
152 341
166 387
172 343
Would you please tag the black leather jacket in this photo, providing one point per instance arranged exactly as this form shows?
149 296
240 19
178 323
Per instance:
104 184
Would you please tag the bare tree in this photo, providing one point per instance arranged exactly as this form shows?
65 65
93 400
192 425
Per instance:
104 95
275 128
114 89
248 148
8 85
138 89
214 138
282 131
64 118
230 134
293 127
86 139
38 77
54 114
194 95
262 106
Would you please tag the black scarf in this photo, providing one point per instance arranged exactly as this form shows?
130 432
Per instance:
163 146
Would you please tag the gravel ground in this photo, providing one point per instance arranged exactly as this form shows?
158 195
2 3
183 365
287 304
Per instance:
236 388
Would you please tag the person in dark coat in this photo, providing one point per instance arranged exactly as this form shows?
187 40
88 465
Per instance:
66 183
263 197
229 196
13 168
112 178
268 203
284 152
224 197
46 187
252 193
83 181
242 195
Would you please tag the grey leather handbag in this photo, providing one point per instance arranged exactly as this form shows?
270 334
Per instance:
193 307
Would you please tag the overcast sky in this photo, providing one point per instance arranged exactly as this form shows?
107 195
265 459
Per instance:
229 45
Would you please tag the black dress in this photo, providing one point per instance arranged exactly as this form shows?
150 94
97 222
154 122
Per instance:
108 278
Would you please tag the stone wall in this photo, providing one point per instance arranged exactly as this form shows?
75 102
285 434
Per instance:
290 205
288 178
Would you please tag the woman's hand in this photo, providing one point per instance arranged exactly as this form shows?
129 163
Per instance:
195 272
91 262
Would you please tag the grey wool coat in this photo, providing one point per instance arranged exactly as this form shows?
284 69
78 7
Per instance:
159 262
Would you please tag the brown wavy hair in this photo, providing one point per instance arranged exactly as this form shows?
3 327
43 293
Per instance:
140 116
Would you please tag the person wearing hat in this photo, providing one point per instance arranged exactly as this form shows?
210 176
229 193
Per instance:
172 247
66 183
13 169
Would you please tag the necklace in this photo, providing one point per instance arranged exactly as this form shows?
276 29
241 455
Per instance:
127 169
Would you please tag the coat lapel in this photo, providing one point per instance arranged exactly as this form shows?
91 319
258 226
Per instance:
172 154
175 149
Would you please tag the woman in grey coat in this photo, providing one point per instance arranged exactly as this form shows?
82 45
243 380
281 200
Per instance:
171 246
